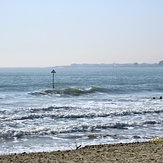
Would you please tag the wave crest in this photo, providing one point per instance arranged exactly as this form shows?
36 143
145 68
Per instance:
72 91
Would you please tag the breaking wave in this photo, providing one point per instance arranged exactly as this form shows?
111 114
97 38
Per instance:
66 112
76 91
19 134
91 90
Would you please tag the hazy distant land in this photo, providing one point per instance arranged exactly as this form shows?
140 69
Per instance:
135 64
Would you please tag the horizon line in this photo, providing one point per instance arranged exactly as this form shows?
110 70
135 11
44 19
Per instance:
129 63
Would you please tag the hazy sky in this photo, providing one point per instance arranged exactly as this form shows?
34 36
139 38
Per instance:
60 32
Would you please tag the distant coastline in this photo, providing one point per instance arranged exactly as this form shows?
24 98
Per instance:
97 65
114 65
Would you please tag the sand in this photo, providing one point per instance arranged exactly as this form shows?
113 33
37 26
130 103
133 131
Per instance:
129 152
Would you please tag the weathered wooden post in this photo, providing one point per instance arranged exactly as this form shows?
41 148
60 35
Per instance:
53 71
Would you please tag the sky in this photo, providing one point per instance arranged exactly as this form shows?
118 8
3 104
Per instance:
43 33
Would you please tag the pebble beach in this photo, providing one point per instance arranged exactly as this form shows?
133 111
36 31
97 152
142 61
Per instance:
122 152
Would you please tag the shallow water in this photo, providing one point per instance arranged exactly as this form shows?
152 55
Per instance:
88 106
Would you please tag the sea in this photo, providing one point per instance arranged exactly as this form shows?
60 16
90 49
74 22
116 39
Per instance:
87 106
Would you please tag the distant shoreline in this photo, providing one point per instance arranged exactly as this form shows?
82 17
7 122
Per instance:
98 65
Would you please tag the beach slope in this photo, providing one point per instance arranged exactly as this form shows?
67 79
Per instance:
129 152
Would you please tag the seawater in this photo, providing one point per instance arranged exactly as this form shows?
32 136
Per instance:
87 106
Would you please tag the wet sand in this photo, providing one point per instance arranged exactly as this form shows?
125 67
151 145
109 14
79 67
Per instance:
128 153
